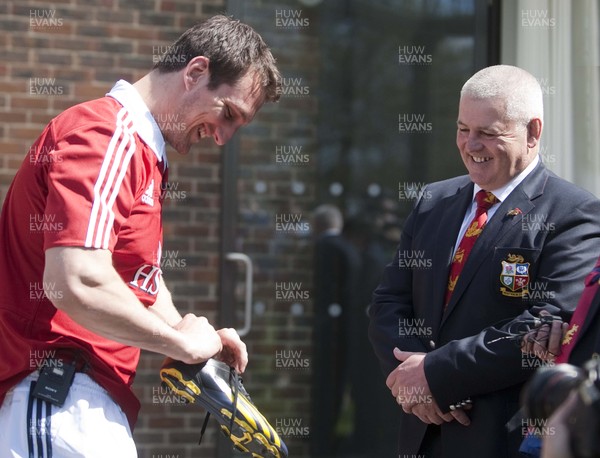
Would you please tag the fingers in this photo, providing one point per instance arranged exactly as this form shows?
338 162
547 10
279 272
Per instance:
431 414
202 342
556 335
405 408
404 355
428 414
540 342
393 380
544 341
390 381
408 384
401 355
527 342
190 320
234 352
199 340
461 416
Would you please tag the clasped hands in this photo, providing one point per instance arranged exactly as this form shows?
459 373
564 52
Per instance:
409 386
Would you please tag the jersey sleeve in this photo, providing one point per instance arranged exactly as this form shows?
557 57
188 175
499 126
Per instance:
90 183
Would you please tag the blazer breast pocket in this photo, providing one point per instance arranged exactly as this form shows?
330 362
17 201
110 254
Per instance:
514 274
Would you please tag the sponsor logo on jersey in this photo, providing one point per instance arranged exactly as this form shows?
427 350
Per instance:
147 278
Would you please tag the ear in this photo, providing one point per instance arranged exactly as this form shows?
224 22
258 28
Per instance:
534 132
196 71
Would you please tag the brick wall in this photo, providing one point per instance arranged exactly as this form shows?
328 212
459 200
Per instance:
55 57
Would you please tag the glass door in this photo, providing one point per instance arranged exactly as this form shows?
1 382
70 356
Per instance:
366 117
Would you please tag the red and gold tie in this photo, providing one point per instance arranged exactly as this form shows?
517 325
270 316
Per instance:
592 283
484 200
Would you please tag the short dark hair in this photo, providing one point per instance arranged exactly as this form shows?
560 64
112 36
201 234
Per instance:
233 49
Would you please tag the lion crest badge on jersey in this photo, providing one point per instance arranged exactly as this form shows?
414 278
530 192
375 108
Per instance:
514 277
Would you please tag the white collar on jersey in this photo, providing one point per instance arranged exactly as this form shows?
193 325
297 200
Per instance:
144 122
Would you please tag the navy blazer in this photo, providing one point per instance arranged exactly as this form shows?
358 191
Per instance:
549 229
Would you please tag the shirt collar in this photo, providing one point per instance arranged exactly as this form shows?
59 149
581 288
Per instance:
144 122
504 191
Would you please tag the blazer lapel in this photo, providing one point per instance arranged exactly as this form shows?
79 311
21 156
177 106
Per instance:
454 209
497 228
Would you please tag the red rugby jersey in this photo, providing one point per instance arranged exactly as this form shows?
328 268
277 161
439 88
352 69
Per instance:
92 179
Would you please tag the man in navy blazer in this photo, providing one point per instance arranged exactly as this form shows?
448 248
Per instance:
451 367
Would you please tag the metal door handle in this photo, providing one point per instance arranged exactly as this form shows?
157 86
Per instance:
248 299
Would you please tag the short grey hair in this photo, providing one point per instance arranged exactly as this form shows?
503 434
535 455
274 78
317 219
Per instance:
327 217
520 91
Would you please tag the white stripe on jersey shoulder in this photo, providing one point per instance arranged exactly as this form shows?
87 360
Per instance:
143 120
119 152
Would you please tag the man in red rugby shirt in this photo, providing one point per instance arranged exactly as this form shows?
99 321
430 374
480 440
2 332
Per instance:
81 238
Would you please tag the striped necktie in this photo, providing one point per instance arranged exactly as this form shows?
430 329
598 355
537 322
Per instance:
484 200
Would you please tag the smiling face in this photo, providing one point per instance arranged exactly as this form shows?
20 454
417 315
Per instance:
493 149
204 113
